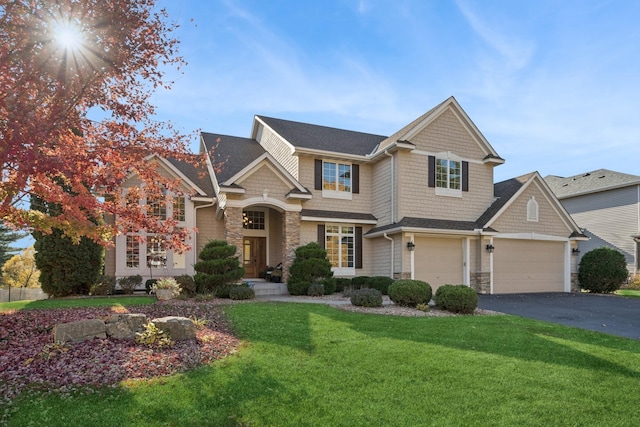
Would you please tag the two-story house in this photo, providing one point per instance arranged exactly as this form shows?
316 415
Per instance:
420 204
606 204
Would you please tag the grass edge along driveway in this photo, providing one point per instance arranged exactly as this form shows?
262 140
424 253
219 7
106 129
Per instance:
314 365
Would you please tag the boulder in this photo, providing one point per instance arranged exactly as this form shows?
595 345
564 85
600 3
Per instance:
79 331
125 326
178 328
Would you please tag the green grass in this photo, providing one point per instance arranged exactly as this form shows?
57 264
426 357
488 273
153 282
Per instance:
313 365
77 302
634 293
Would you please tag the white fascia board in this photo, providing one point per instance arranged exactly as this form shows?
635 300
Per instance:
332 154
427 231
300 196
203 199
339 220
531 236
234 190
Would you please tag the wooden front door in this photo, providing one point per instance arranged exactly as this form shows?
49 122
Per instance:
254 255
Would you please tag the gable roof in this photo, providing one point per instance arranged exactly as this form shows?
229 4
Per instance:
590 182
450 104
230 154
323 138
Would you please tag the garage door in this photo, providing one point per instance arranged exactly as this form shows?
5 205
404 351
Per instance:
528 266
438 261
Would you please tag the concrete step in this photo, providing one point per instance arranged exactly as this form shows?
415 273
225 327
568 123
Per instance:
268 288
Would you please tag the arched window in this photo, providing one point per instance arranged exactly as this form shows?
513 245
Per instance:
532 210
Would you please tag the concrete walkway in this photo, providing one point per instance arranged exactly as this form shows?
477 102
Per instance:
610 314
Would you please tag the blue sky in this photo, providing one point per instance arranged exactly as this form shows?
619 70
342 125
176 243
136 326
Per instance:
553 85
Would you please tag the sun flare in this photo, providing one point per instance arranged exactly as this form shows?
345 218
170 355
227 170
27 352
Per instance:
68 36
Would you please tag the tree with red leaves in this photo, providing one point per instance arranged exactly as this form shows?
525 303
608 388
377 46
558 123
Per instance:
76 118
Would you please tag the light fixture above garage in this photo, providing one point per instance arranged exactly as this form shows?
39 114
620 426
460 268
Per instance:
490 248
575 251
411 246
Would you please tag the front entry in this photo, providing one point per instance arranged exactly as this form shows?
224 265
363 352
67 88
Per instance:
254 255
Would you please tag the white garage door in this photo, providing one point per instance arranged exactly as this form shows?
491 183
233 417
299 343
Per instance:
528 266
438 261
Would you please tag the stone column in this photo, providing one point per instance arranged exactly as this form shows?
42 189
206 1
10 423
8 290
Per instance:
290 240
233 228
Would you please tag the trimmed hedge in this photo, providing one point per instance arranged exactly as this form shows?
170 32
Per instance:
410 293
457 299
380 283
342 283
315 290
311 265
330 285
241 292
366 297
602 270
359 282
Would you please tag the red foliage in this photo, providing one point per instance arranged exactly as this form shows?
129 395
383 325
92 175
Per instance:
76 120
30 360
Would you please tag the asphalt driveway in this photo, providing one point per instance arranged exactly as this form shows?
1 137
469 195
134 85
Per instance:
602 313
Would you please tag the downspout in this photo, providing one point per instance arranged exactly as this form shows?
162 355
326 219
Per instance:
386 153
393 246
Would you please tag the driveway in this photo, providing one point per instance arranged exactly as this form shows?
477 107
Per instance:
602 313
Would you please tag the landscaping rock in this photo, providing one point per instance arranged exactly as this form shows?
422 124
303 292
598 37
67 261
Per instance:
179 328
125 326
79 331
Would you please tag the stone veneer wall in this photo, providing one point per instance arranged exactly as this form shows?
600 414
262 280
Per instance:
233 228
290 240
481 282
575 284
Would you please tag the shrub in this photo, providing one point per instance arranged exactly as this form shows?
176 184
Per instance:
366 297
342 283
103 286
380 283
148 284
153 336
457 298
128 284
187 285
222 291
633 283
218 268
167 283
310 265
410 293
329 285
241 292
315 290
602 270
359 282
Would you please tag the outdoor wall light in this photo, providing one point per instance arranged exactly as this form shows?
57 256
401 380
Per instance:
411 246
490 248
575 251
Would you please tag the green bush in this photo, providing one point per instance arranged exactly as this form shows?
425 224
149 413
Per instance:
410 293
104 286
602 270
310 265
342 283
187 285
366 297
222 291
330 285
218 268
457 298
359 282
148 284
380 283
128 284
241 293
315 290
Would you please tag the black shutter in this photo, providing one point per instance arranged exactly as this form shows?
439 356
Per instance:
432 171
355 179
465 176
321 236
318 174
358 253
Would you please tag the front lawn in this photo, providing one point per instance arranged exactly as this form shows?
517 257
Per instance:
314 365
634 293
77 302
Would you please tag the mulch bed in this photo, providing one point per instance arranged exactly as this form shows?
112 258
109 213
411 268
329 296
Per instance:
30 360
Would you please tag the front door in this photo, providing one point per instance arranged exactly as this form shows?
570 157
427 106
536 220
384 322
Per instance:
254 255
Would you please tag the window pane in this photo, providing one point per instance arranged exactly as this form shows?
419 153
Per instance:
333 250
132 252
339 243
157 207
253 220
178 209
156 252
344 178
455 174
347 252
442 167
329 176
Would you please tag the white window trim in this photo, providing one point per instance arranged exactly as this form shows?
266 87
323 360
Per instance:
448 192
343 271
336 194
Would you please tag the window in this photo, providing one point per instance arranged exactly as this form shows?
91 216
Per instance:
157 207
339 244
179 209
336 177
532 210
253 220
132 252
156 252
448 174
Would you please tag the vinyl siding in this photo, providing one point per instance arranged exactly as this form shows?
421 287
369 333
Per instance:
280 150
265 178
381 198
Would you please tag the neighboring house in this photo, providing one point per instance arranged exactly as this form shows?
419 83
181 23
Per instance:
420 204
606 204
